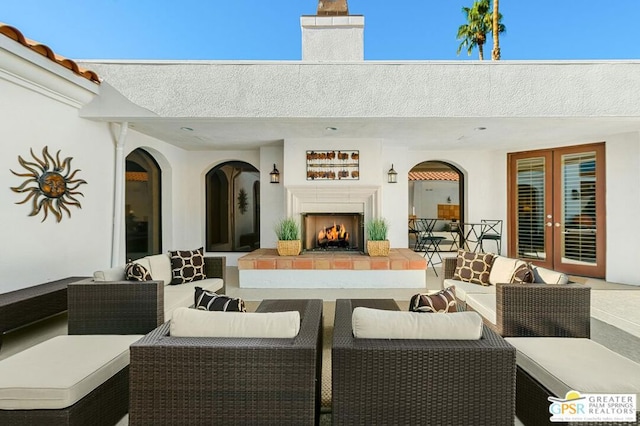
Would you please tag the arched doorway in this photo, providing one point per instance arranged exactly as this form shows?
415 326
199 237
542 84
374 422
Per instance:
142 205
436 191
233 207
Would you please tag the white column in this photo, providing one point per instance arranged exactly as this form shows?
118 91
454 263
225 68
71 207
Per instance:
118 238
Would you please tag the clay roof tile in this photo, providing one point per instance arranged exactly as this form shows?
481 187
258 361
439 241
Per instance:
14 34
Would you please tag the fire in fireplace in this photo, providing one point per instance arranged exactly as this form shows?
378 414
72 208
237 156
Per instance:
332 231
335 235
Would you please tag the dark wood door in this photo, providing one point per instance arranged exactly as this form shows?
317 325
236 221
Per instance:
557 208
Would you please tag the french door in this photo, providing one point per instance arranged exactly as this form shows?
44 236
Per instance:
556 201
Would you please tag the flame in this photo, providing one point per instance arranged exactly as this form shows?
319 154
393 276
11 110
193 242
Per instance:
334 233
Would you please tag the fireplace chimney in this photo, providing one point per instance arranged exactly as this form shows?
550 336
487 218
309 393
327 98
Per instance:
332 35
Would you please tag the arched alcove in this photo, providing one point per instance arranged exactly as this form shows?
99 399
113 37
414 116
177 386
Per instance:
143 216
232 207
436 191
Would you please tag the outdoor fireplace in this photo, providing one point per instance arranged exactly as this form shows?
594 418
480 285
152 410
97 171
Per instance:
332 231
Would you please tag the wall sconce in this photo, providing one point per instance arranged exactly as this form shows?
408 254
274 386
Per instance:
393 175
449 199
275 175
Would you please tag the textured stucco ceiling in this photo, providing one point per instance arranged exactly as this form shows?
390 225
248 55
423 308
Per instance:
420 105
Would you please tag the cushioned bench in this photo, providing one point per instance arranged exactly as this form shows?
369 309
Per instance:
25 306
71 380
552 366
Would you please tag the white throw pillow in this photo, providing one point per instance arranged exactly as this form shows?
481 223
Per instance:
502 270
187 322
548 276
370 323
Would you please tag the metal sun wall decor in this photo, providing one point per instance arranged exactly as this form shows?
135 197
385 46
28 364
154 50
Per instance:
51 179
333 165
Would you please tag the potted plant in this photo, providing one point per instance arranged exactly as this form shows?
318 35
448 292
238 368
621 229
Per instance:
288 233
377 243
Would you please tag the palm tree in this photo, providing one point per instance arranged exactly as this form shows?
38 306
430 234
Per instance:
495 53
479 23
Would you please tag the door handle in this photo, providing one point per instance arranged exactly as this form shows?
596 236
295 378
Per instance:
549 224
557 225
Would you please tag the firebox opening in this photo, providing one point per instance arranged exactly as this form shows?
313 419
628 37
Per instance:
333 231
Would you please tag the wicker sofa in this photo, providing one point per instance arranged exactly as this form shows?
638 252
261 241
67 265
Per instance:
156 297
429 382
211 380
549 326
81 378
536 309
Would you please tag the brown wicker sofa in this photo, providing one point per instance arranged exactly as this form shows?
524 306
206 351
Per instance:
108 300
549 325
92 313
428 382
206 380
519 310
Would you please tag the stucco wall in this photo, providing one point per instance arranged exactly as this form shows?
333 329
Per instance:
623 207
31 251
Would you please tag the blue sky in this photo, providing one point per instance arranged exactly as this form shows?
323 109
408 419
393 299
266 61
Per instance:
270 30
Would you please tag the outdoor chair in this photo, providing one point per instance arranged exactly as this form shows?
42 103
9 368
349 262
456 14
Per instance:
491 230
427 242
215 380
427 382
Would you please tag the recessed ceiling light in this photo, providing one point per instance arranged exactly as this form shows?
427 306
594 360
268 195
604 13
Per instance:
480 128
331 129
186 129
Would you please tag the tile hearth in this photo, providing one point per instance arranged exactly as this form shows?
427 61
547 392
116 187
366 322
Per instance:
264 268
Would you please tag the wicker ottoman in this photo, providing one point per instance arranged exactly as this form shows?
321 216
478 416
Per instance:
70 380
552 366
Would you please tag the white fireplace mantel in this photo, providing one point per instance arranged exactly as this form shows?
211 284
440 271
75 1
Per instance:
333 199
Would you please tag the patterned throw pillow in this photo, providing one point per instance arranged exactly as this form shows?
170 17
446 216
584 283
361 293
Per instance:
473 267
187 266
441 302
523 274
136 272
210 301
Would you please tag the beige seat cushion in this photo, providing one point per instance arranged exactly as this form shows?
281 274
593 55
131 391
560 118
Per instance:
182 295
548 276
160 267
187 322
463 288
368 323
112 274
484 304
503 268
117 273
61 371
564 363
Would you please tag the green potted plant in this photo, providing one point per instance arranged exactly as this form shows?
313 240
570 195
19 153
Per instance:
288 233
377 242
